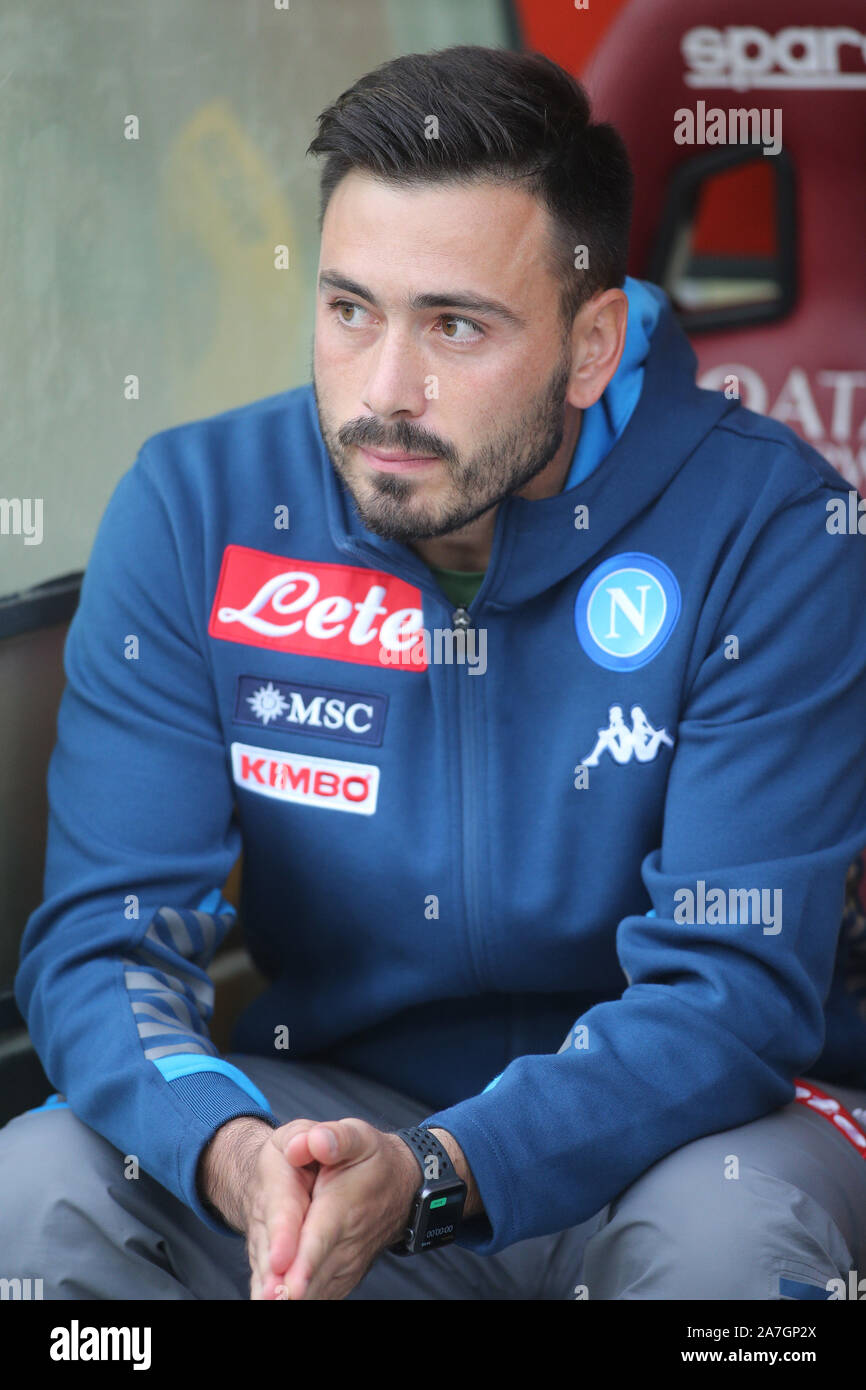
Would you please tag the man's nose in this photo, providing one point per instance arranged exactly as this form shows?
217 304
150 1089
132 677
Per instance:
396 382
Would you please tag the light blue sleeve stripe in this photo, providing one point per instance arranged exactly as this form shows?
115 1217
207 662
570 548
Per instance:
792 1288
216 903
184 1064
52 1103
491 1084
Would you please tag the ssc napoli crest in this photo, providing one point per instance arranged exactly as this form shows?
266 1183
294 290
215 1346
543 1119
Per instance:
626 610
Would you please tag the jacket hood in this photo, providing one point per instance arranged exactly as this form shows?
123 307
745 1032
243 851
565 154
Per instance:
602 424
536 544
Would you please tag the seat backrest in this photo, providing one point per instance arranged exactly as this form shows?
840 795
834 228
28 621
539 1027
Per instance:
33 627
761 252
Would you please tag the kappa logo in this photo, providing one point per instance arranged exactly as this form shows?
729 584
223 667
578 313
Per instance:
293 706
626 610
641 741
344 612
309 781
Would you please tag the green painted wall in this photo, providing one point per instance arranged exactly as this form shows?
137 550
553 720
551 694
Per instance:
154 257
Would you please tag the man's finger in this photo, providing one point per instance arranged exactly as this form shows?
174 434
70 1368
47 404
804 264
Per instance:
257 1254
338 1141
280 1137
281 1245
320 1234
272 1233
283 1215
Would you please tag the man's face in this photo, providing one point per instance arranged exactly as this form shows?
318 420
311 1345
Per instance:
441 364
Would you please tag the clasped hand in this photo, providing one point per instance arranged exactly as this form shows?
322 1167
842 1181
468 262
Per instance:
326 1200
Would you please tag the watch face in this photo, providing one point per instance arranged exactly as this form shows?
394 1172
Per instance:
439 1215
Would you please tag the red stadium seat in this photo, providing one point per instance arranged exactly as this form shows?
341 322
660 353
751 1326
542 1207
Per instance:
763 255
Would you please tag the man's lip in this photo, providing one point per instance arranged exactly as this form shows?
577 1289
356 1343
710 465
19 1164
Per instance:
391 462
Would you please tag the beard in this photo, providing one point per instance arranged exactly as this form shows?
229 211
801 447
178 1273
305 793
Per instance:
390 505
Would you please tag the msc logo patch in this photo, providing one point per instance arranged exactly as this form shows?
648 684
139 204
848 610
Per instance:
626 610
325 782
298 708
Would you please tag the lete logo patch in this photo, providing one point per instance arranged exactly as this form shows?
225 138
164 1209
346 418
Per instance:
626 610
343 612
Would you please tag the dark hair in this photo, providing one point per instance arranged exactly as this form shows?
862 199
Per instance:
502 115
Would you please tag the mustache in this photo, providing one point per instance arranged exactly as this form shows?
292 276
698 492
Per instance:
405 436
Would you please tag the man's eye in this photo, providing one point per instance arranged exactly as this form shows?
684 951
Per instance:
449 325
339 305
454 328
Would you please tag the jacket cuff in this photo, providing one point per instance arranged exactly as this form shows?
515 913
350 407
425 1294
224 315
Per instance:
492 1232
215 1092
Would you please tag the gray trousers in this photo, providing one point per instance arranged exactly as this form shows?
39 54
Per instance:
770 1210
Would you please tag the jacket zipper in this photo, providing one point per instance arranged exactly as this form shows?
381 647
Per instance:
461 621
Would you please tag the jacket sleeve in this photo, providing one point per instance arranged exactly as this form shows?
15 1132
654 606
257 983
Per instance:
113 978
767 790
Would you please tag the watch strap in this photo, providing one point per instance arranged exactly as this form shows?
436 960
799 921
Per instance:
438 1174
425 1146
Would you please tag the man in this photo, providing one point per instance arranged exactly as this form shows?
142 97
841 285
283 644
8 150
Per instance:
443 878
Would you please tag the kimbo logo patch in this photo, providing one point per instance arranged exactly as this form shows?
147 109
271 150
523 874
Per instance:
325 782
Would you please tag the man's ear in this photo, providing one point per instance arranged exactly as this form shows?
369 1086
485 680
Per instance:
597 342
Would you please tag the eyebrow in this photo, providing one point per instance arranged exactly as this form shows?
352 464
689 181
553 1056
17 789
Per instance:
460 299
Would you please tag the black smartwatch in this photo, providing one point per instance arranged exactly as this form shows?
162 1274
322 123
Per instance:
437 1208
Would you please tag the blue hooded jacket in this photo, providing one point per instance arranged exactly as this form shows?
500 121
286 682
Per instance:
576 885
